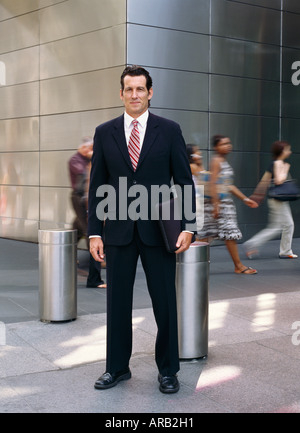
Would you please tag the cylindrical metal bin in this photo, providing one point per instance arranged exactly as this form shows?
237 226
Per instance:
57 275
192 277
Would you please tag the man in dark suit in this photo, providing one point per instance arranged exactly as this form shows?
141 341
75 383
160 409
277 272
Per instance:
161 157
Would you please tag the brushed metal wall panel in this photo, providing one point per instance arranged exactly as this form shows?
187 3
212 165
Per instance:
46 3
244 21
290 35
291 6
295 165
19 229
18 33
49 225
21 202
248 133
192 16
167 48
19 101
19 168
289 57
245 59
194 124
244 96
74 17
274 4
290 100
97 50
65 131
54 168
179 90
246 170
21 66
290 131
88 91
56 207
10 9
19 134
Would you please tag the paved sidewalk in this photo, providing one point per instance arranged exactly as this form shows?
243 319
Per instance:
252 366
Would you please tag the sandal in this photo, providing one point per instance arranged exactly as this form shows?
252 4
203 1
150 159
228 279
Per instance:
248 271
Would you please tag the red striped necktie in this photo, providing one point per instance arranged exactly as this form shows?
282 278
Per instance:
134 145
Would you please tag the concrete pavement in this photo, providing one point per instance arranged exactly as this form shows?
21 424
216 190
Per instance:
252 366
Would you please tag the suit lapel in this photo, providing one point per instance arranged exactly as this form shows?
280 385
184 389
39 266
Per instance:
119 136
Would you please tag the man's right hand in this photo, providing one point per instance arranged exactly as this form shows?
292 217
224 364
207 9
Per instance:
97 249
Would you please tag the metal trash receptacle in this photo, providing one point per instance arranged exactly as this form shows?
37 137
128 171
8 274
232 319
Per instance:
57 275
192 278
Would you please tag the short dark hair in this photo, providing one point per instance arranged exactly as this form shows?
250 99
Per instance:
135 71
190 150
216 139
278 147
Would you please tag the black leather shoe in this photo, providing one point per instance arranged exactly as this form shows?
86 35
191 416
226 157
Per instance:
108 380
168 384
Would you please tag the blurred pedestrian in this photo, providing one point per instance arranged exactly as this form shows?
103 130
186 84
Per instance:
198 173
195 159
220 220
79 168
280 219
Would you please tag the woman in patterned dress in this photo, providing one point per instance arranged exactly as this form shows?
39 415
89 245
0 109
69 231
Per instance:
220 221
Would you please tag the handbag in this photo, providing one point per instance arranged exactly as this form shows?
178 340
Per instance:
286 191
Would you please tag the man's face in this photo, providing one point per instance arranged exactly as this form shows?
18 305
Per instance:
87 150
135 95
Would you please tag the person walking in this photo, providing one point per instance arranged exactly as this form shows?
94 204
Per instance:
280 219
79 166
220 220
198 173
137 150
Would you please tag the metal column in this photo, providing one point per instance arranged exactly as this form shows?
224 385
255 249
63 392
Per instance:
57 275
192 277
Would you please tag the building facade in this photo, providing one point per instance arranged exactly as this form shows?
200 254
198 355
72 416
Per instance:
218 67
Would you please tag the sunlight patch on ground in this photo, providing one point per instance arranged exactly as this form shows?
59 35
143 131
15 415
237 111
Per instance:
217 375
264 315
217 321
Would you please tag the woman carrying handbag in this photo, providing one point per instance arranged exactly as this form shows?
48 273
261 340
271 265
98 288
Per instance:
280 219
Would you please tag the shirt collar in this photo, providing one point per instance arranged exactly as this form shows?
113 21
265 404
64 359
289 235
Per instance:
142 119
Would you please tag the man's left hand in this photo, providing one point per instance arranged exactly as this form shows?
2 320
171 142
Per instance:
183 242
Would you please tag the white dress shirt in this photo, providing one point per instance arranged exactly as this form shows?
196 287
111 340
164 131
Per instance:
142 124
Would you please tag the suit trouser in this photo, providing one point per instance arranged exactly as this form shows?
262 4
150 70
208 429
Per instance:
80 224
159 267
280 222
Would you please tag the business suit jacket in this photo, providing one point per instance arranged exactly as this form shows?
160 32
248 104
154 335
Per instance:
163 157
